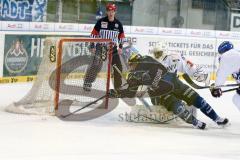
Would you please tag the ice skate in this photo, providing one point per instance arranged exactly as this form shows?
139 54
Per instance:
198 124
222 121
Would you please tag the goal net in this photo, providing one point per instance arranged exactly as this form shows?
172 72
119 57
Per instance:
75 69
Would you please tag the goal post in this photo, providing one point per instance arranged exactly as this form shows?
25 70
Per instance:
106 43
67 65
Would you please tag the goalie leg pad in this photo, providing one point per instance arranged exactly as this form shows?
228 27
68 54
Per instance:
178 108
175 105
183 113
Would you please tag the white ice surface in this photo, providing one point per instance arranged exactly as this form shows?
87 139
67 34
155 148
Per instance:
24 137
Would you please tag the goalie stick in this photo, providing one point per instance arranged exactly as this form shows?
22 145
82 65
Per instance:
196 86
89 104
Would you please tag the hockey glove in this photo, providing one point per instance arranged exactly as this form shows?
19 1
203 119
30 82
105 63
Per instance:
114 94
216 92
238 91
236 76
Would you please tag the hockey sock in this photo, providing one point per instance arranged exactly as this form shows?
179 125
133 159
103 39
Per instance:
205 108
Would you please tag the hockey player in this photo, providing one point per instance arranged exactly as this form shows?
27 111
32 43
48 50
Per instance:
175 63
107 28
229 64
147 71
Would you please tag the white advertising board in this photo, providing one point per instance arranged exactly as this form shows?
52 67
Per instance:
200 51
199 46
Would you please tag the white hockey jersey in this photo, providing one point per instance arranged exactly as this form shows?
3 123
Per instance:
229 63
176 62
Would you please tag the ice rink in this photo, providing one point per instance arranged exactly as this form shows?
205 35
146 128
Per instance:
24 137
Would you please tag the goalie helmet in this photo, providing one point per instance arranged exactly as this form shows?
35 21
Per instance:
134 58
224 47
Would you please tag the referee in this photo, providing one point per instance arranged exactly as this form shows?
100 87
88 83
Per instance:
107 28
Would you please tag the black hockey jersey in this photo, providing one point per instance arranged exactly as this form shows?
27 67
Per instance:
148 72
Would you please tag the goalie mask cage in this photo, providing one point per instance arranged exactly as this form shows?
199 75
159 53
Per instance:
66 64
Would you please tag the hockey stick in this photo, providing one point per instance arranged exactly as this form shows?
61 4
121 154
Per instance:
89 104
232 89
196 86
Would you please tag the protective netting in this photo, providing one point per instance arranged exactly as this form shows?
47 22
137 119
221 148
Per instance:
71 69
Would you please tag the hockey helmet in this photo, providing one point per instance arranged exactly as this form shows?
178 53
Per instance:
158 53
224 47
134 58
111 7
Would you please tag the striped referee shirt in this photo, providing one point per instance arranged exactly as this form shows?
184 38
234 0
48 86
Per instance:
109 30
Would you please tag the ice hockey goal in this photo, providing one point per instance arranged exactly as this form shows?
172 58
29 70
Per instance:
75 69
